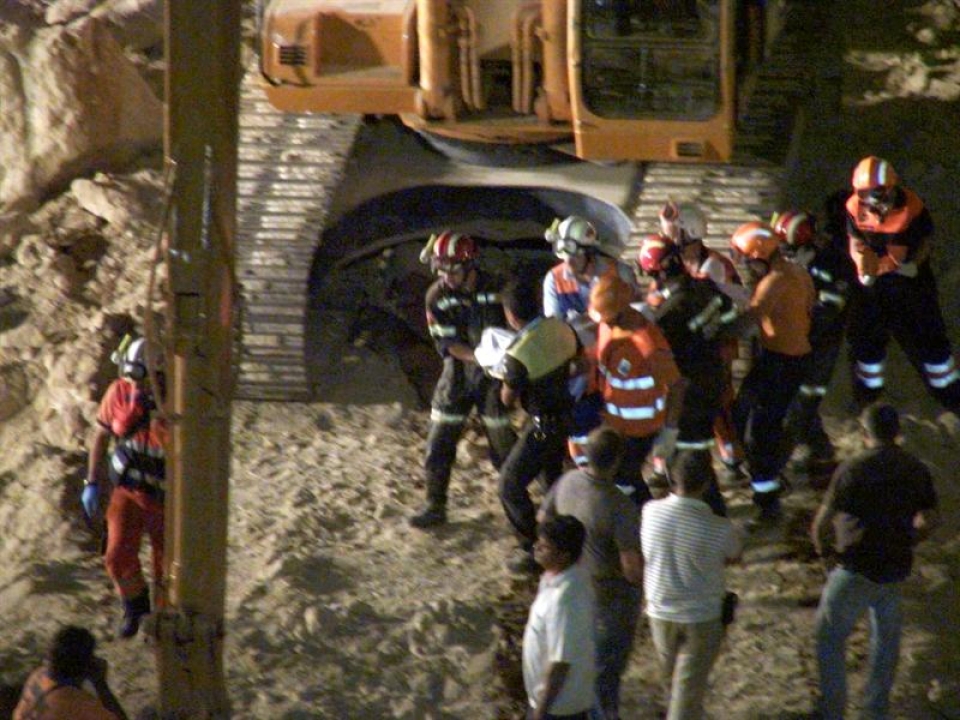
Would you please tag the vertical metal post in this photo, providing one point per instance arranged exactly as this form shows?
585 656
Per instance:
203 73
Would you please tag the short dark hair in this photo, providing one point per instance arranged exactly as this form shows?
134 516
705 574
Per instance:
566 533
881 421
604 450
691 470
71 653
521 296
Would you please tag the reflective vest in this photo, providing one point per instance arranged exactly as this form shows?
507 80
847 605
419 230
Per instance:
635 398
543 346
874 260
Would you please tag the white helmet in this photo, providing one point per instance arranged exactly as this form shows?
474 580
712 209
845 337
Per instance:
571 236
683 222
131 358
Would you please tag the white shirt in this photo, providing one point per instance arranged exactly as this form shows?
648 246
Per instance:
560 629
685 547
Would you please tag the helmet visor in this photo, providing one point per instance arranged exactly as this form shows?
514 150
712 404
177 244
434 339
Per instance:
567 248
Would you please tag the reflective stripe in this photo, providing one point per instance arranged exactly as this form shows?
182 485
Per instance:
627 490
644 412
823 275
694 444
443 331
870 374
488 298
811 390
939 375
499 421
645 382
872 383
438 416
870 368
729 316
762 485
450 301
704 317
829 298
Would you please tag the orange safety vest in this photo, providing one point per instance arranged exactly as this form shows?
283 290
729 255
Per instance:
896 221
634 382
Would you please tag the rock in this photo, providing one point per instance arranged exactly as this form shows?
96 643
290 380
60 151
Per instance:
64 11
81 106
14 391
136 24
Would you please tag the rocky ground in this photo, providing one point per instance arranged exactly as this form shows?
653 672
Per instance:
336 607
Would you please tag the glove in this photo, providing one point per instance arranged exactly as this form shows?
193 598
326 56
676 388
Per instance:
666 443
907 269
91 500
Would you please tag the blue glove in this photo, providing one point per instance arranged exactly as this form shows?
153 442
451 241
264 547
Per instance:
91 500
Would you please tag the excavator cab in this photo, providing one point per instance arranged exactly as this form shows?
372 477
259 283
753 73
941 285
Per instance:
603 79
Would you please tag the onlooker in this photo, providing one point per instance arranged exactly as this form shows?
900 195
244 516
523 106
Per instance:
537 368
71 684
880 504
685 548
612 556
558 646
128 415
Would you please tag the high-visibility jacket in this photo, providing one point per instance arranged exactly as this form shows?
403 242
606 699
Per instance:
881 245
635 369
538 366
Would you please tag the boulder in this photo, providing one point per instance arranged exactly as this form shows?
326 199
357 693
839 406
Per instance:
72 104
136 24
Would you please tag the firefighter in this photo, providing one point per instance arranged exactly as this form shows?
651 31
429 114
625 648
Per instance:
537 371
128 416
460 304
686 225
639 381
696 318
890 233
782 306
833 277
584 259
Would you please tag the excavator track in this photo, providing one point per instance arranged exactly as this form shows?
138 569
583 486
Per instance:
290 165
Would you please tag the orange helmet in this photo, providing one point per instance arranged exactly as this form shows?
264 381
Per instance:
658 253
755 241
873 172
796 228
609 297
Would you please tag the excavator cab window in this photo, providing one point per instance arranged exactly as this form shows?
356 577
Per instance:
652 59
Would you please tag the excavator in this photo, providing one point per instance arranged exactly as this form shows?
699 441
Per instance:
601 79
652 80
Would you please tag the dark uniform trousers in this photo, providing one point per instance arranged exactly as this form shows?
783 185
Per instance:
908 309
461 388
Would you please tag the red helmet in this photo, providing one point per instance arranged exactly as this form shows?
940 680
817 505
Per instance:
658 253
755 241
450 248
796 228
873 172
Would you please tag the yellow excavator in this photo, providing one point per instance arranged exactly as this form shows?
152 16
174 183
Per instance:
653 80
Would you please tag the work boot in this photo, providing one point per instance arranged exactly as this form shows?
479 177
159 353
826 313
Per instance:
133 611
432 515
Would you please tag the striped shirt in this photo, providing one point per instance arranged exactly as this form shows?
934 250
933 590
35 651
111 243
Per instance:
685 547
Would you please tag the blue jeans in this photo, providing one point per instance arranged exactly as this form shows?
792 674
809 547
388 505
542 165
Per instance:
618 609
846 596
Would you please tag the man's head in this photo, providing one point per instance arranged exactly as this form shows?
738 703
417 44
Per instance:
453 258
659 258
875 183
559 542
691 471
71 653
881 423
683 222
755 246
609 298
521 300
575 241
604 451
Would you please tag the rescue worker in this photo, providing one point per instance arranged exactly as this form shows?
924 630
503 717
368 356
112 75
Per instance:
696 318
566 295
782 306
460 304
128 416
890 232
833 278
686 224
639 381
538 366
